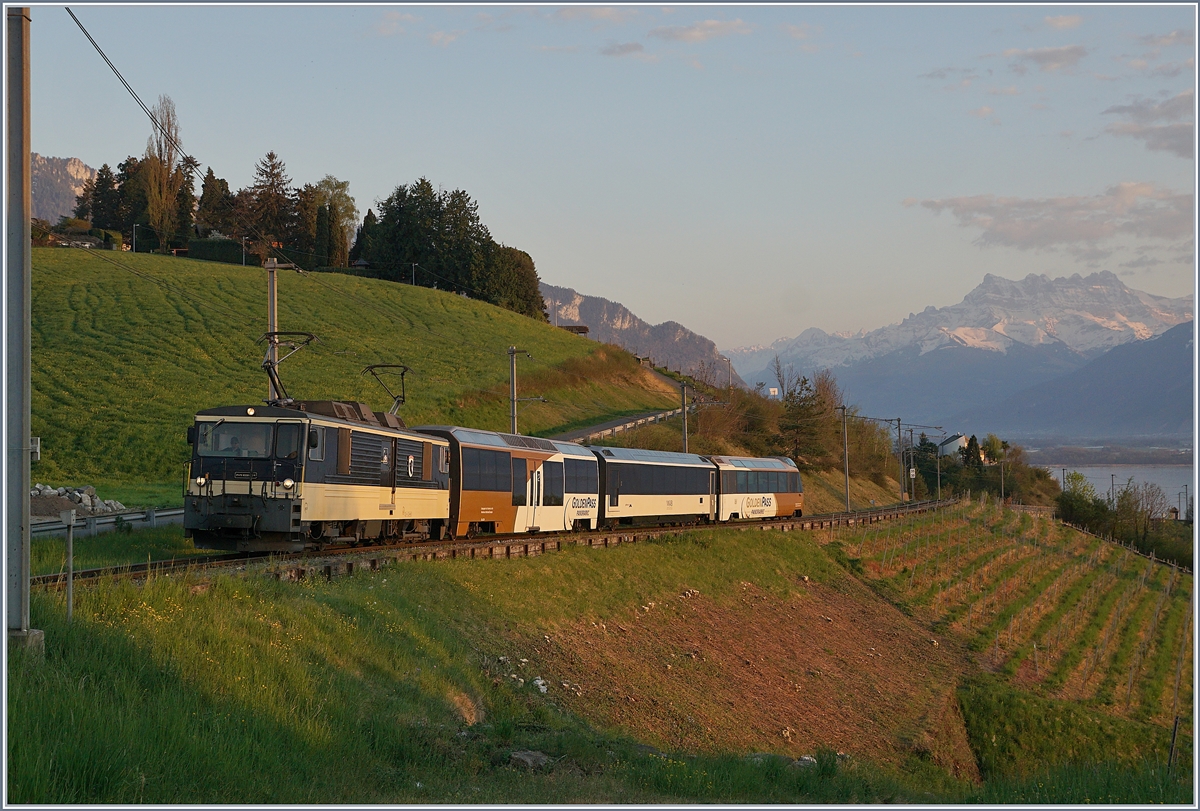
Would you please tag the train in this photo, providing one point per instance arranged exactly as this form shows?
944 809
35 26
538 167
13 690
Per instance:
295 475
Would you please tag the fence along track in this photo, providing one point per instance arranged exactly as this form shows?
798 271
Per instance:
332 563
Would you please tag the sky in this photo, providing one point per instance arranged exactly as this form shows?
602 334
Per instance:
747 171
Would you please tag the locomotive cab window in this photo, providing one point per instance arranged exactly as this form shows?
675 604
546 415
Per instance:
235 439
289 440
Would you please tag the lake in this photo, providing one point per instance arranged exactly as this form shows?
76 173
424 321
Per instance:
1170 478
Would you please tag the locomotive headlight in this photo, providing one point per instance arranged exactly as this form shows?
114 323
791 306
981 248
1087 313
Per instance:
250 411
200 480
288 484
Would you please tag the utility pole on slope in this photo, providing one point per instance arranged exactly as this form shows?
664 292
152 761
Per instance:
20 447
846 455
272 324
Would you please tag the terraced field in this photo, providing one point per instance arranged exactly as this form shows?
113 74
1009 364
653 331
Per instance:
1048 611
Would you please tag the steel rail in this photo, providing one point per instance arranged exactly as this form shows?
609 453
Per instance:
337 561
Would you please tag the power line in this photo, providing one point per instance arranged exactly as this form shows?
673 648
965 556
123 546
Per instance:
248 226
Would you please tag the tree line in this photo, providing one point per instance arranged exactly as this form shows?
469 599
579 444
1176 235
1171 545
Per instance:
423 236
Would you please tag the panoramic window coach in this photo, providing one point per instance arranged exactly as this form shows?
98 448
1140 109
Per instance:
639 485
758 487
504 483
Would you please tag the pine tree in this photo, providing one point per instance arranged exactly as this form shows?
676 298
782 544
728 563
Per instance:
321 249
214 210
274 206
363 240
106 200
185 200
83 201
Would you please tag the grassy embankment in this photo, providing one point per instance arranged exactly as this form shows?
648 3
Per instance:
121 362
419 680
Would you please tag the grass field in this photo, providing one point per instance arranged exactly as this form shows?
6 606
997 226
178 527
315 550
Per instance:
124 356
418 680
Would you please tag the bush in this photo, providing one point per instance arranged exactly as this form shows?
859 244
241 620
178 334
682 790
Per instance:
224 250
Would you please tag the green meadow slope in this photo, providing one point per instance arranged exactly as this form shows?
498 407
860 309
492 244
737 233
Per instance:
127 347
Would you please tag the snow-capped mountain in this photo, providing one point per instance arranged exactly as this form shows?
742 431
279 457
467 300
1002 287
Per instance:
951 365
1086 314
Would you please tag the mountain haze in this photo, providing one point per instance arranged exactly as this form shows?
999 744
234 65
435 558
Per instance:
1139 389
669 344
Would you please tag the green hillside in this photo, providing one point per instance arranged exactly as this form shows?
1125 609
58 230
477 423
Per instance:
124 354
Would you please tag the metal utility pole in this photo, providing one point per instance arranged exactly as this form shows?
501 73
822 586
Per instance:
272 324
846 455
683 404
512 389
912 464
68 518
414 284
900 457
1001 481
19 446
135 243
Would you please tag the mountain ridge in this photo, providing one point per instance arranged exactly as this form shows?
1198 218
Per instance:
55 182
668 344
1089 314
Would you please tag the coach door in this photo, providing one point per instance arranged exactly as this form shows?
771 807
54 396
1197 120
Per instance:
712 495
535 496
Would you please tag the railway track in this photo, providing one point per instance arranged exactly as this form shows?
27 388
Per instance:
331 563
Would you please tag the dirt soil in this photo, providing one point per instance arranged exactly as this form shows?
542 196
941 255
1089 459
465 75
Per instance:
828 665
51 506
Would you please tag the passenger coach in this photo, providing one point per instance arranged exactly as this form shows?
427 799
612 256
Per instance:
504 483
758 487
640 485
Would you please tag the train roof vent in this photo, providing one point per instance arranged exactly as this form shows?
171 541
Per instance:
517 441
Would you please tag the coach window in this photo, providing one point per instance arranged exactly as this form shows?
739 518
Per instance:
552 493
518 482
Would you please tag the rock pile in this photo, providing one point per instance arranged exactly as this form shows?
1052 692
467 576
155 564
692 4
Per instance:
47 500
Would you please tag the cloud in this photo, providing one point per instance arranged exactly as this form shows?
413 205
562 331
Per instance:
1145 111
982 112
801 31
562 49
1175 136
943 73
701 31
1065 21
1075 224
623 49
604 14
1168 40
392 23
1011 90
444 38
1172 69
1063 57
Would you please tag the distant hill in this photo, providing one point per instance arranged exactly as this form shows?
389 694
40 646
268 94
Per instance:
669 344
1138 389
56 182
